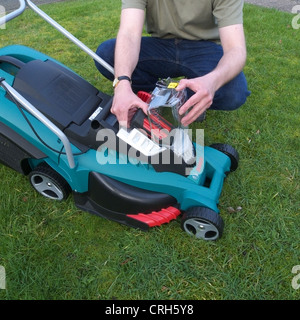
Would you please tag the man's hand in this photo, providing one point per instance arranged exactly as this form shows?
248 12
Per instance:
125 104
200 101
230 65
126 58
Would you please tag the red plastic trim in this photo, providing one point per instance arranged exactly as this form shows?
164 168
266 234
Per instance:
157 218
144 96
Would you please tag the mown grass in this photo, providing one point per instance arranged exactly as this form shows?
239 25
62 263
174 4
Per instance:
52 250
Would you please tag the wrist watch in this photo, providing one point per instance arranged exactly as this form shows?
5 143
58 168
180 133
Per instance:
117 80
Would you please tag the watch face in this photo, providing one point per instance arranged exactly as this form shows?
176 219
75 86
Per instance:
115 82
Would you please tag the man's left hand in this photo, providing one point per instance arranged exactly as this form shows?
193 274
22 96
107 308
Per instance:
199 102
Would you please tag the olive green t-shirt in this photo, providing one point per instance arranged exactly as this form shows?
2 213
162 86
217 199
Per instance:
188 19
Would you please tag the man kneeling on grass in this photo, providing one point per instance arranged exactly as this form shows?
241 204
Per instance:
202 41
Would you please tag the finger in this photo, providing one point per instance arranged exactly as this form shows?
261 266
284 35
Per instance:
132 111
122 118
188 104
193 114
188 119
123 123
144 106
182 84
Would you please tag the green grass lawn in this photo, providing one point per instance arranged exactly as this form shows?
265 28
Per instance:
52 250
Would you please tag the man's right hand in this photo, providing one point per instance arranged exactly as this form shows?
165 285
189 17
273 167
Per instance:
125 103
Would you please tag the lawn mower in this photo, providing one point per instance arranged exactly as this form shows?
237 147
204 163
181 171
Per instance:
57 129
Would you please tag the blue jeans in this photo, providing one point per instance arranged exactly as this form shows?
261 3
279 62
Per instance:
163 58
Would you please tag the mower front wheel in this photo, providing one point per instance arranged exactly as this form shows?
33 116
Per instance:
49 183
230 151
202 223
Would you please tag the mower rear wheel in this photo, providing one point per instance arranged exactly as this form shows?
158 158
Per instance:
49 183
230 151
203 223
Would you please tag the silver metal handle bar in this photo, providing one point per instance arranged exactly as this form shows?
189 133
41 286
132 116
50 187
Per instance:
70 36
58 27
13 14
37 114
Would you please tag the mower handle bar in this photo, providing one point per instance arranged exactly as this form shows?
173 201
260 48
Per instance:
58 27
14 13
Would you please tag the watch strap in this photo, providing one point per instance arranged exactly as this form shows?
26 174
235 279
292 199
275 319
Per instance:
117 80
